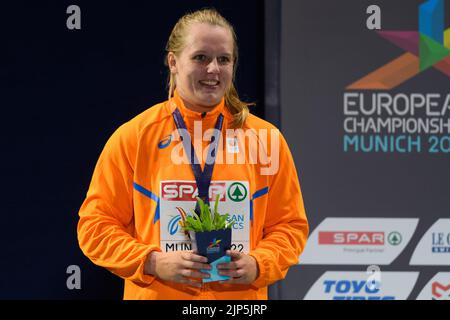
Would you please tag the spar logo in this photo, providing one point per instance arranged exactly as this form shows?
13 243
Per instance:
188 191
428 47
237 192
394 238
358 241
351 238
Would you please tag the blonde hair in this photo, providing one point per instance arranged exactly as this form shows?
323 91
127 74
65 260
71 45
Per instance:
176 44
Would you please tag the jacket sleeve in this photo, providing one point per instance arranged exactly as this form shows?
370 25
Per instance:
106 224
285 226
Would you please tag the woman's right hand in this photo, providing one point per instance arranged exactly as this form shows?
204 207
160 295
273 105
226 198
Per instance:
177 266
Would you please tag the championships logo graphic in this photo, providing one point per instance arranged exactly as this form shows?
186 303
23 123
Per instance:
379 118
428 47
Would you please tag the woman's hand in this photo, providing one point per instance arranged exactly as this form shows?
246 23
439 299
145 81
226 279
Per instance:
243 268
177 266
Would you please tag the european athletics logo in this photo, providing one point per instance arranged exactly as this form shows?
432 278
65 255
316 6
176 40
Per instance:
428 47
214 246
215 243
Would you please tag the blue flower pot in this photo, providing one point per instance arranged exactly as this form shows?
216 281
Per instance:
212 245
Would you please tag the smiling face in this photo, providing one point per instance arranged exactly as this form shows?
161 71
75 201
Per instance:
203 70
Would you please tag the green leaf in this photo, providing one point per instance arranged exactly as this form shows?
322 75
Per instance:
194 222
216 204
207 219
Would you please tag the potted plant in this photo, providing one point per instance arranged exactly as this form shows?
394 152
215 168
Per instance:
210 235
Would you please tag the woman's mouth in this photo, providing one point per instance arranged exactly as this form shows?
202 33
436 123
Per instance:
210 83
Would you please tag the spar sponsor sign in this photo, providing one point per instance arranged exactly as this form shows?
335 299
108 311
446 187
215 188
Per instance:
358 241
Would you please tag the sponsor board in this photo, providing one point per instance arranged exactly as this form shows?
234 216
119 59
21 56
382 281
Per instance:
355 285
358 241
178 198
438 288
434 247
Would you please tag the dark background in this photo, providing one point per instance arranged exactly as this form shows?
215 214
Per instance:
62 94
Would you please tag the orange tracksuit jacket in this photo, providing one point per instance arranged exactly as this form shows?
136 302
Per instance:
120 219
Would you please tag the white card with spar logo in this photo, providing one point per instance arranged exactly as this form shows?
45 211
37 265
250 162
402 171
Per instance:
179 195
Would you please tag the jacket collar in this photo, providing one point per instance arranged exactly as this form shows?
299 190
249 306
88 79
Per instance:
190 115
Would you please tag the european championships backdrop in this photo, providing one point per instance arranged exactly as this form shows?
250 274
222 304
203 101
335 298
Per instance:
365 105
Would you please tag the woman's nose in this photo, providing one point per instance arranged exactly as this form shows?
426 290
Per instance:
213 66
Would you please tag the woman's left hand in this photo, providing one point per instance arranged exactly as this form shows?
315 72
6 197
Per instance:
243 268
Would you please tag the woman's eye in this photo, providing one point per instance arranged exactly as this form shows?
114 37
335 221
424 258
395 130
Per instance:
200 57
223 60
